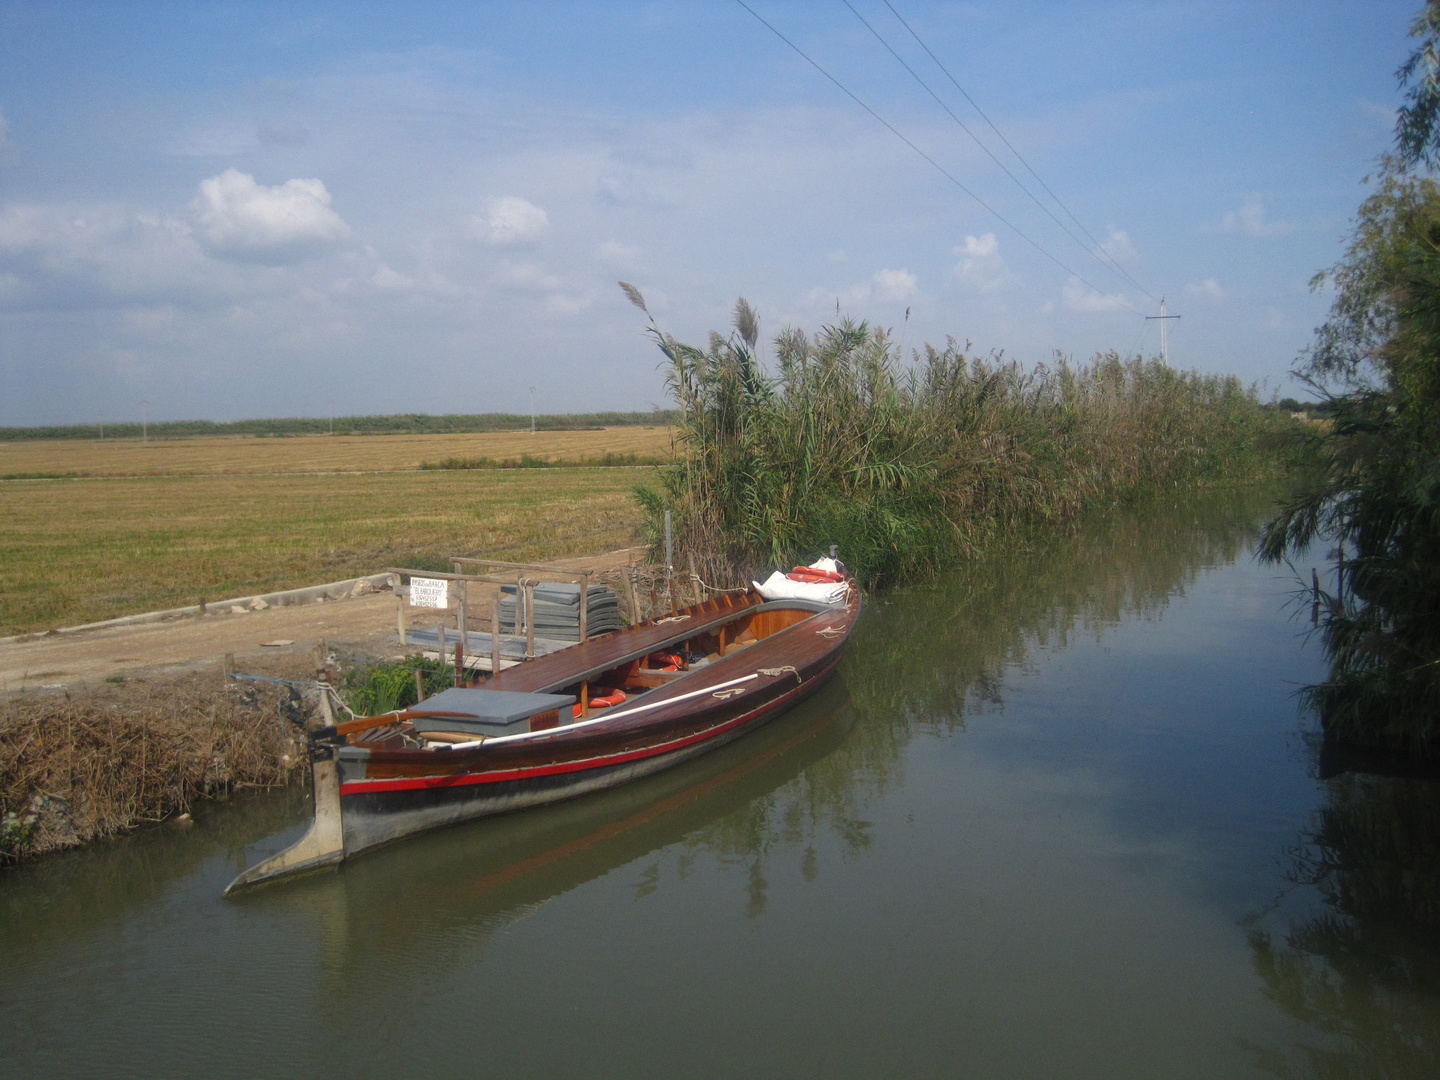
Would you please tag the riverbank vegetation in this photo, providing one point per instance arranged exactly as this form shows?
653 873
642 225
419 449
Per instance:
1376 504
75 767
909 467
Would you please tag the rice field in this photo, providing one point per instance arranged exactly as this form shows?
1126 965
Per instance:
79 550
232 455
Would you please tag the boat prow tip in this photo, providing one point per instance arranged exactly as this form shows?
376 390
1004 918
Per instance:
322 845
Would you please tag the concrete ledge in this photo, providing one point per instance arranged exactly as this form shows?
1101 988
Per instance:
335 590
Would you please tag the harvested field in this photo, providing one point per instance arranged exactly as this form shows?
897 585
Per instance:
78 551
230 455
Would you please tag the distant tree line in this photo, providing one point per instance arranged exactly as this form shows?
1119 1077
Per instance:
398 424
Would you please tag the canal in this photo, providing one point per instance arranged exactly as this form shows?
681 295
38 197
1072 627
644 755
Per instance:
1059 816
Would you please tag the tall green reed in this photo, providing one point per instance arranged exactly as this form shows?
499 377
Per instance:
909 466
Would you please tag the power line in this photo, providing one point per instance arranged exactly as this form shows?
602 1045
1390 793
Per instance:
938 167
1098 246
1107 261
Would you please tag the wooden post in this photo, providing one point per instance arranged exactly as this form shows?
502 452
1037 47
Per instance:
584 698
695 579
630 590
327 714
400 616
459 664
463 620
495 634
584 606
722 641
419 685
529 618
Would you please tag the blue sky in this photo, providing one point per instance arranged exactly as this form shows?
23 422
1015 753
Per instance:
257 210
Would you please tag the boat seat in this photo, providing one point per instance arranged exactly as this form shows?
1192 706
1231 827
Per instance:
478 712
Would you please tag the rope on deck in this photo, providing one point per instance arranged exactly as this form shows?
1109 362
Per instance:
776 672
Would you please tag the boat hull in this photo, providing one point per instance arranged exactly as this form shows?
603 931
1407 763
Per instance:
372 818
371 791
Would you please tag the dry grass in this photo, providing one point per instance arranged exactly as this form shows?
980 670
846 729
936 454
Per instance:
75 768
76 551
229 455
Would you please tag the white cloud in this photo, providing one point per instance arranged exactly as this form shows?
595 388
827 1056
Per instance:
894 285
238 218
979 247
527 276
1117 245
884 285
980 263
1250 220
562 304
1209 289
1077 296
78 257
618 254
511 220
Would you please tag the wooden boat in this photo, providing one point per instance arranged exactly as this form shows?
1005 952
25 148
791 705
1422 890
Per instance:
536 733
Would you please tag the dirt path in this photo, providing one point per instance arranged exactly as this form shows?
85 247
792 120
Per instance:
362 625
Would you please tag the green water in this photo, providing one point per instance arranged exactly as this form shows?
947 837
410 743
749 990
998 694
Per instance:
1058 817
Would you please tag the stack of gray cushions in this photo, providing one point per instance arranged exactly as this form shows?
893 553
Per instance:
557 611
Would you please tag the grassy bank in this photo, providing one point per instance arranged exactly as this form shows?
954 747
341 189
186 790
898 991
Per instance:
909 467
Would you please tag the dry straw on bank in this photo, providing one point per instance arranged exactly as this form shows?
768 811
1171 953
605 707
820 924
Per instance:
73 768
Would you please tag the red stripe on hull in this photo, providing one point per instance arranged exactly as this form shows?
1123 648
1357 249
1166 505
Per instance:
358 787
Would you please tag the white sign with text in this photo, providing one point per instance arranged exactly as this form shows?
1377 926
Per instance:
428 592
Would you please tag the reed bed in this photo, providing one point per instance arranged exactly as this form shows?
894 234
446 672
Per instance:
73 768
908 466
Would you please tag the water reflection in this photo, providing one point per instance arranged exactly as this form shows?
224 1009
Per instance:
795 903
1362 969
439 895
57 896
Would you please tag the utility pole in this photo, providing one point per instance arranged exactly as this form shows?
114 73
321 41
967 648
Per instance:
1164 320
532 410
144 410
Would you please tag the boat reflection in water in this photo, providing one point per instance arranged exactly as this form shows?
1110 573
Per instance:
420 899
